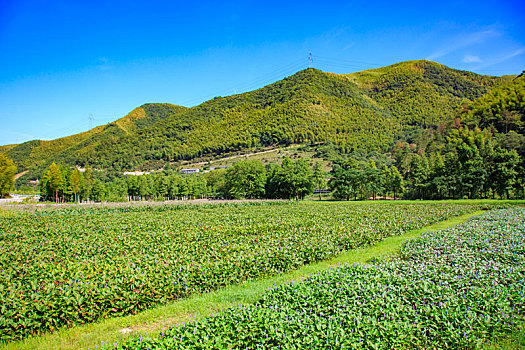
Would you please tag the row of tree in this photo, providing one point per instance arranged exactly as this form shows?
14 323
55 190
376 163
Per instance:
352 179
466 164
470 164
63 184
246 179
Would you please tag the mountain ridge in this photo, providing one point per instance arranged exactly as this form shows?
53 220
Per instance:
366 109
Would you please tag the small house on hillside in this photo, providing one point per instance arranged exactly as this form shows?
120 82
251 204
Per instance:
189 171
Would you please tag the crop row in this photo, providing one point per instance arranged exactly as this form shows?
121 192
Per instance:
454 289
60 268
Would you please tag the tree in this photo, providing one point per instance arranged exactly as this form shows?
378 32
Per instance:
345 179
55 180
418 175
7 175
301 180
98 191
272 187
246 179
319 178
290 180
88 182
76 183
510 119
504 172
398 185
473 174
161 186
146 187
216 180
387 180
437 180
374 179
174 187
519 185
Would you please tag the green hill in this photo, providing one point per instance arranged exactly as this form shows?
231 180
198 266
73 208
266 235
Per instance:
424 93
503 108
37 155
364 110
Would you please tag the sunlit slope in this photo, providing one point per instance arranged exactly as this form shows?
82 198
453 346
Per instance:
364 110
34 155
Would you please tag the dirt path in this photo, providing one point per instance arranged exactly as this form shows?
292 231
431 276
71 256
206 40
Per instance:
21 174
234 157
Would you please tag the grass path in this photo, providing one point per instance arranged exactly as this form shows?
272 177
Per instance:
155 320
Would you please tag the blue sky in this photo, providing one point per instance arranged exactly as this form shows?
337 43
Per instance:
64 61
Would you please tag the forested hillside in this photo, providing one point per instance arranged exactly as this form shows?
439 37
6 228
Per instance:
38 155
369 111
423 93
503 108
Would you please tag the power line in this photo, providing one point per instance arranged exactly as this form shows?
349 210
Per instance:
348 61
256 82
282 71
344 64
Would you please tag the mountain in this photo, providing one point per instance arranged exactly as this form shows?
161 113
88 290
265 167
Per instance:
37 155
364 110
503 108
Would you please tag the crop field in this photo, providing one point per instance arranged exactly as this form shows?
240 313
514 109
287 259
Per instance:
457 288
67 266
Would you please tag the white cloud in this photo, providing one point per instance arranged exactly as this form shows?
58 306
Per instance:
472 59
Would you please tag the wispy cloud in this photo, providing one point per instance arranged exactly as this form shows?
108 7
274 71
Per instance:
472 59
348 46
502 59
462 41
512 55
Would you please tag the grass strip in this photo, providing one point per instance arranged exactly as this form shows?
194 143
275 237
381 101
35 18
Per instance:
156 320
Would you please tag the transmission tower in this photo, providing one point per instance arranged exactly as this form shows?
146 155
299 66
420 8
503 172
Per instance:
310 60
91 118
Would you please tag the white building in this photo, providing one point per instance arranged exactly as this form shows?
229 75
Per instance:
189 171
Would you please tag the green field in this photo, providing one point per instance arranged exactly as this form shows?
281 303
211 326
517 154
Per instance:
455 289
74 265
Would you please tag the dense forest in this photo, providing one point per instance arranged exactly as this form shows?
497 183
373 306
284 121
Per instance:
369 110
478 152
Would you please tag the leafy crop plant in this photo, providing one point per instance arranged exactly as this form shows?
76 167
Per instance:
454 289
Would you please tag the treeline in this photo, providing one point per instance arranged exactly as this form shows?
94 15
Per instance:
7 175
471 164
248 179
463 164
479 154
357 180
477 151
457 163
64 184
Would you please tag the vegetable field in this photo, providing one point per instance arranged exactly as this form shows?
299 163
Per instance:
66 266
454 289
